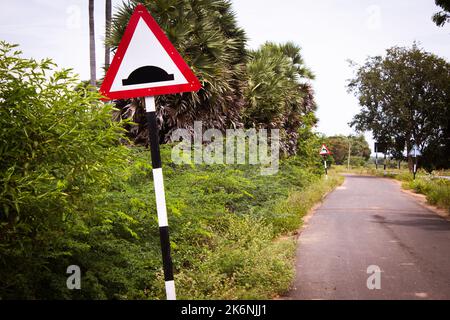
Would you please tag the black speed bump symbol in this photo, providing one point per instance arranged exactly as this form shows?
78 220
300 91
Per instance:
147 74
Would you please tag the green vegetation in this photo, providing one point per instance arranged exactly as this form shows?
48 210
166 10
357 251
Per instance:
278 94
404 97
224 224
340 145
60 153
442 17
71 194
436 190
207 36
263 88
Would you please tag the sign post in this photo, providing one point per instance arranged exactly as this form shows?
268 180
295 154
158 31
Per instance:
324 152
145 65
376 160
380 147
415 153
376 155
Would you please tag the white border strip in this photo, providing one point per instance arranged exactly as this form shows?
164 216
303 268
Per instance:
150 104
170 290
160 197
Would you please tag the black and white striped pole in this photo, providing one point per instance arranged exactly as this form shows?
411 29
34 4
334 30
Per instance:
161 209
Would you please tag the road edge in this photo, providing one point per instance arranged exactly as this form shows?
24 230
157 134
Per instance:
421 199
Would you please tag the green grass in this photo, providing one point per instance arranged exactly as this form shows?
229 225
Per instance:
437 191
226 225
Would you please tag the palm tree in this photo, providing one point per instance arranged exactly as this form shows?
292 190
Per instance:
93 79
108 14
206 34
278 94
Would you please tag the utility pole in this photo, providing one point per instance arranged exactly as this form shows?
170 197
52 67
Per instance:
349 152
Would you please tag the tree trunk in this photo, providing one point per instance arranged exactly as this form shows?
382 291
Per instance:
93 80
108 14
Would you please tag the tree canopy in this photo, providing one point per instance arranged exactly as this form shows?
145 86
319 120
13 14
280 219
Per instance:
206 34
404 98
266 87
339 146
443 16
278 93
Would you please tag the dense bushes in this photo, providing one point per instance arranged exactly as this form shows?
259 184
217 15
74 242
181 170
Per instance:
60 152
71 194
224 222
268 87
436 190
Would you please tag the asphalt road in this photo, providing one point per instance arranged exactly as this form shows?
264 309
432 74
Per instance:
370 221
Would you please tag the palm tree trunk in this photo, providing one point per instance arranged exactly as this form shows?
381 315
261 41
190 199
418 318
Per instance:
93 80
108 14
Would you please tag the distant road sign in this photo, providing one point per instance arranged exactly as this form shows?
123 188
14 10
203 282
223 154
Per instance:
415 152
146 63
324 150
380 147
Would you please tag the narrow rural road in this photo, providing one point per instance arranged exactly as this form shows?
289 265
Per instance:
370 221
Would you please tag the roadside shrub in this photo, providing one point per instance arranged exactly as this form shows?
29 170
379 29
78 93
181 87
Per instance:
436 190
60 153
244 264
71 194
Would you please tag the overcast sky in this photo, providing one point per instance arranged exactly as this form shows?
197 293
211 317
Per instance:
329 31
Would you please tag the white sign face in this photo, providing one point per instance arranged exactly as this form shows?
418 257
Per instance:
415 152
146 63
145 50
324 150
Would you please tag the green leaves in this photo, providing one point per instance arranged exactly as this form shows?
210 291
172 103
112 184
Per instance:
60 152
404 98
206 34
277 93
443 16
339 147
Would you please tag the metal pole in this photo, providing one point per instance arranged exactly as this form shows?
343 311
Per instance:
160 197
415 167
384 162
349 152
376 160
325 165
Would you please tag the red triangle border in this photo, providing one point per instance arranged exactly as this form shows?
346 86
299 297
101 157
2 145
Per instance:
141 12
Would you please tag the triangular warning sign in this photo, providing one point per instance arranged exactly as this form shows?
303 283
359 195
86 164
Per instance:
146 63
415 152
324 150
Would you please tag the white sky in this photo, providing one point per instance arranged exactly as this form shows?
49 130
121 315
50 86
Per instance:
329 31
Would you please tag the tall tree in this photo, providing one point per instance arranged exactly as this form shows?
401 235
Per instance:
278 93
442 17
206 34
405 97
92 64
108 16
340 145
